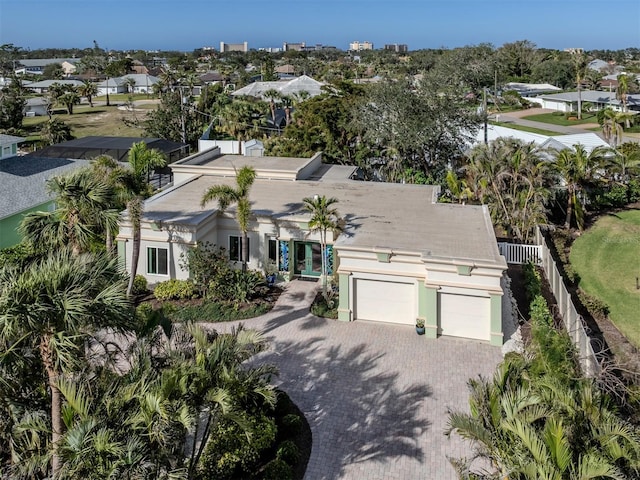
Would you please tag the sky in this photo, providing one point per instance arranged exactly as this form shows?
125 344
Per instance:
185 25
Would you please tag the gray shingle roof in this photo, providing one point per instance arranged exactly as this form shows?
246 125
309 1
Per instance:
23 181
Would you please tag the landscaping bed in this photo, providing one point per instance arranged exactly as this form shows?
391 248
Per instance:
208 310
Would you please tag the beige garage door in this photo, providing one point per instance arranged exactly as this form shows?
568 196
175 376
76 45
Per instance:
384 301
464 316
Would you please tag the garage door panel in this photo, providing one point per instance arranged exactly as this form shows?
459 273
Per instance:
384 301
464 316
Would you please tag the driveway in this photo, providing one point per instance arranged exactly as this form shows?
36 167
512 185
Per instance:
375 395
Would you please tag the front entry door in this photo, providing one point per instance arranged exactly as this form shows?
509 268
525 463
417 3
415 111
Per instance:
308 259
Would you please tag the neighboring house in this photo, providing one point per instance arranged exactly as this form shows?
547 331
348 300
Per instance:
9 145
211 78
143 83
290 87
112 86
604 67
568 101
401 256
557 142
37 66
531 89
43 86
24 189
36 107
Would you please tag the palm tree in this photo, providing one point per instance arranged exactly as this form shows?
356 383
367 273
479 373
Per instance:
578 168
88 89
55 131
580 67
287 102
611 128
272 95
324 217
226 195
83 208
623 165
69 98
142 161
243 119
53 307
622 91
130 83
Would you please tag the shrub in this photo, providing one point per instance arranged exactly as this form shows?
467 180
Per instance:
278 470
229 450
237 286
596 307
326 308
174 289
19 255
140 286
613 197
216 311
532 281
289 452
291 425
204 262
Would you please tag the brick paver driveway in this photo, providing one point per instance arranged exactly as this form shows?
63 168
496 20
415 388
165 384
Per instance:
376 395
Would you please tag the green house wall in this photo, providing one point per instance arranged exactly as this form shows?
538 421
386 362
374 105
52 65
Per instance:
9 235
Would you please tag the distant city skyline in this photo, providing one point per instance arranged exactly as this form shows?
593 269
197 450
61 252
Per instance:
190 24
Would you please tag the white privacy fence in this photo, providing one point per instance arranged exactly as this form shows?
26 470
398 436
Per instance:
573 321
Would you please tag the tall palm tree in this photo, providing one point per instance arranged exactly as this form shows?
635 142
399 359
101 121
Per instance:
577 169
53 307
271 96
243 119
142 161
324 218
611 128
622 91
623 165
580 68
83 209
226 195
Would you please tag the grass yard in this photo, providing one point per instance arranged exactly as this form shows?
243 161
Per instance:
607 258
524 128
554 119
87 121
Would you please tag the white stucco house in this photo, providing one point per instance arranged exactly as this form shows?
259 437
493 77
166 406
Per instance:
400 257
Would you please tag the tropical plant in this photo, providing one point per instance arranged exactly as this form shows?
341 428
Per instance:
226 195
55 131
578 169
513 179
142 161
83 210
243 119
89 90
52 308
622 91
324 218
69 98
271 95
611 128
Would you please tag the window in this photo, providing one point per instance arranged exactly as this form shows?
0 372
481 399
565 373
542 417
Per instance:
157 261
273 250
235 248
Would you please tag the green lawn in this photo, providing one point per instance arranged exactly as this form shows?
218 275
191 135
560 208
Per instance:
554 119
87 121
607 258
525 129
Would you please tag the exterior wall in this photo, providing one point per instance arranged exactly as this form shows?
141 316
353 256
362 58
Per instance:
431 279
227 147
9 150
9 235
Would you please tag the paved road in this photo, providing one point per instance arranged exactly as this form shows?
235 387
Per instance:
376 395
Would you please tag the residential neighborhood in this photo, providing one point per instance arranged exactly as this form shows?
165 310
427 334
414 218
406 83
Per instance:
310 261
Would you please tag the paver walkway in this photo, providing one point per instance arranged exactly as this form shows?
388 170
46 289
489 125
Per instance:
375 395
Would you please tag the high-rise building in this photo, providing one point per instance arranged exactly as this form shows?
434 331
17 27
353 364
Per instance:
296 47
234 47
359 46
397 47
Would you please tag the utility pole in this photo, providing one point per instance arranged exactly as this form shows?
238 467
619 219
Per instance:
485 115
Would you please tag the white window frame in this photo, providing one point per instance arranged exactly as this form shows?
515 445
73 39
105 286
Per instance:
157 259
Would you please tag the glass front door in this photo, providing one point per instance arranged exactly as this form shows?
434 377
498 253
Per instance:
308 259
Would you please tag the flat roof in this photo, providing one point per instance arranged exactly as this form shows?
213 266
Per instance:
377 215
283 164
23 181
